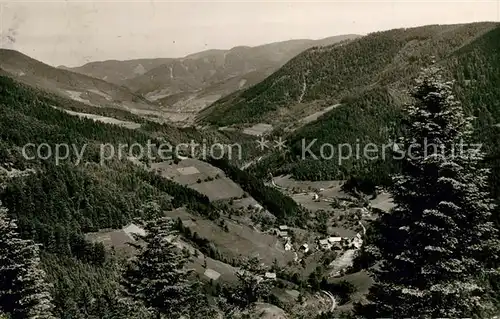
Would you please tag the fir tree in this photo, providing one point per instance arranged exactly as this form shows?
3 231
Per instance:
159 279
438 244
252 285
24 293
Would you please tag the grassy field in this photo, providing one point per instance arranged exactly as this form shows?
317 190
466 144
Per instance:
302 186
383 202
258 129
307 201
218 189
119 241
244 202
105 119
361 281
239 241
199 176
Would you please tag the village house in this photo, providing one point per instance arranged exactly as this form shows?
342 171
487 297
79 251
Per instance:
357 241
304 248
258 207
333 240
211 274
324 244
283 228
282 234
336 242
270 275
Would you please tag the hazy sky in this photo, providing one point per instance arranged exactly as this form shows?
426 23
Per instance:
75 32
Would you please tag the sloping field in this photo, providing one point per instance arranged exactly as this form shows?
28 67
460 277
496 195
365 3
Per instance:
201 177
227 272
258 129
120 241
222 188
245 202
105 119
313 117
238 241
342 232
306 200
383 202
116 239
361 280
191 169
342 262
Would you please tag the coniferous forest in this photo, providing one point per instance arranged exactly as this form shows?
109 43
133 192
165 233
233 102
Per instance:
271 234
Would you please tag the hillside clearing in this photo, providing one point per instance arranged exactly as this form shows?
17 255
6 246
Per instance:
239 241
200 176
313 117
105 119
258 129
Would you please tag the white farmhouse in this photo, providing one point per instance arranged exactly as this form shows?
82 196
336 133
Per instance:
334 240
211 274
270 275
305 248
325 244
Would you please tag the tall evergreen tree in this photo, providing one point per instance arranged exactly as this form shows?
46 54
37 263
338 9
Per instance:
158 277
24 293
438 244
252 285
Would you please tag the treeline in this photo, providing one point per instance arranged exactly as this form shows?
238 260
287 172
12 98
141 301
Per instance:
27 116
280 205
205 246
476 68
182 195
372 117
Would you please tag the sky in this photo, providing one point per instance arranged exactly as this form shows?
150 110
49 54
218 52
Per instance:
74 32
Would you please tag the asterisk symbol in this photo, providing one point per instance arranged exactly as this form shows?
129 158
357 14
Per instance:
280 144
262 143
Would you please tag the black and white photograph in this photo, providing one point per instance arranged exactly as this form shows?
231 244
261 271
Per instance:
217 159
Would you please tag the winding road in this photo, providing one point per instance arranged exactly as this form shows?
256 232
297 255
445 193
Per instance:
332 298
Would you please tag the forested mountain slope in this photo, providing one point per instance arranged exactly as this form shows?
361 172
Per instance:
374 116
91 91
199 70
193 82
56 204
335 73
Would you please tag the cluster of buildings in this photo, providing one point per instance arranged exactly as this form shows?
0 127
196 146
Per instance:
341 242
335 242
259 278
282 232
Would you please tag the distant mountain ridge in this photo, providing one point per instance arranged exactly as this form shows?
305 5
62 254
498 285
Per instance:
326 76
116 71
88 90
191 83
